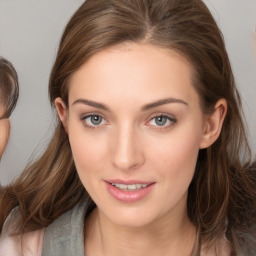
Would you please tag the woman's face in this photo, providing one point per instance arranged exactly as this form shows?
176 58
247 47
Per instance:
4 131
135 128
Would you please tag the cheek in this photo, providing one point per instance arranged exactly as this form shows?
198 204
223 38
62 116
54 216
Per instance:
176 154
177 162
88 150
175 166
4 134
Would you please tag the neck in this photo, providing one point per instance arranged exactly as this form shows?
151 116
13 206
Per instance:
169 236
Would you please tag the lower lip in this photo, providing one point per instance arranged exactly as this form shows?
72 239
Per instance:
129 196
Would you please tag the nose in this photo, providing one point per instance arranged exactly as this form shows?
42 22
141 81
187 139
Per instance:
127 151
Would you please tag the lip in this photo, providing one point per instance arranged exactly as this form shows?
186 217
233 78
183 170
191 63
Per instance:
128 196
129 182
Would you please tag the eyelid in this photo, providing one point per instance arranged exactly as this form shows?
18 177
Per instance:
92 113
85 116
171 119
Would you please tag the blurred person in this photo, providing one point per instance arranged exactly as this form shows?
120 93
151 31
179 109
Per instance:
9 91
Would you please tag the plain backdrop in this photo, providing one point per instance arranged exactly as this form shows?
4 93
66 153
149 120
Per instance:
30 31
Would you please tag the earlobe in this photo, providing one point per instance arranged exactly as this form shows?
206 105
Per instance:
62 112
213 124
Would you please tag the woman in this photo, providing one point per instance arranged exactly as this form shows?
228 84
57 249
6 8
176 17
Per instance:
145 159
9 92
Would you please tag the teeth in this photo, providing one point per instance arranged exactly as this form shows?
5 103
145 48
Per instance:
131 187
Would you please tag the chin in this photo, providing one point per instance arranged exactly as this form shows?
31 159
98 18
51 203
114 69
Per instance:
130 217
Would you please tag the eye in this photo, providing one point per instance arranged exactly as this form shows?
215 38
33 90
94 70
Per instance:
93 121
162 121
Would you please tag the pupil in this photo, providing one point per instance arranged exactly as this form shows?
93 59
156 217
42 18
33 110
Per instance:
96 120
161 120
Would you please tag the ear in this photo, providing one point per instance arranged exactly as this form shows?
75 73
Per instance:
62 112
213 124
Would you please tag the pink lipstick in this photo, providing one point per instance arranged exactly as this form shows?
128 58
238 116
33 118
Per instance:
129 191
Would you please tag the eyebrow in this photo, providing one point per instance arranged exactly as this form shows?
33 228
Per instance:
144 108
91 103
163 102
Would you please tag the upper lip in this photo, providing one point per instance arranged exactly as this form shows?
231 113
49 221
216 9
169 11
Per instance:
128 182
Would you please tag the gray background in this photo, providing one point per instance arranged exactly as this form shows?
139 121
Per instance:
29 34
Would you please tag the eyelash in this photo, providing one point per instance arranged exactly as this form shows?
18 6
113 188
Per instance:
92 126
169 119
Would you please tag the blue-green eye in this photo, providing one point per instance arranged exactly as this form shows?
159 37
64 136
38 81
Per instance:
94 120
162 121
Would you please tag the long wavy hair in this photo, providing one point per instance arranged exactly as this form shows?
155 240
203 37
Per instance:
221 197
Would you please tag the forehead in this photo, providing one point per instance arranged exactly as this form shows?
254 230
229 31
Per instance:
130 68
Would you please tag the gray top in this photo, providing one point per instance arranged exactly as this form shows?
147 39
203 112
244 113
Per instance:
65 236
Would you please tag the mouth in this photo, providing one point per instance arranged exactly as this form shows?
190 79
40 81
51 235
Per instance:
130 187
129 191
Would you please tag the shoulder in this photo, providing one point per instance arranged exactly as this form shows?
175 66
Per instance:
65 236
59 238
67 225
28 244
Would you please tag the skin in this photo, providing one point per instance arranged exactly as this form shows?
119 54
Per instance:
129 144
4 131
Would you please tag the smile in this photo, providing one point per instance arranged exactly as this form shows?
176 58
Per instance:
131 187
129 191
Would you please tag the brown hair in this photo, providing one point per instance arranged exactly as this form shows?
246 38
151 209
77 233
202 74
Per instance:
222 195
9 87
